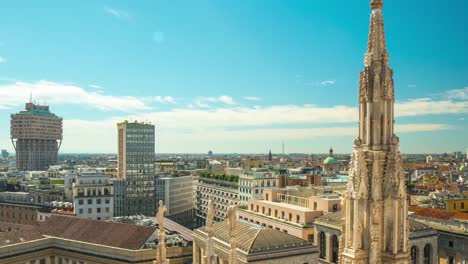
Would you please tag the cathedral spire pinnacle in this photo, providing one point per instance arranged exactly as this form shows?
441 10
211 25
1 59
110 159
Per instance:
375 226
376 4
376 47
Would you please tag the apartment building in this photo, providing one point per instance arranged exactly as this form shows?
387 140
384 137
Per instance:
136 144
291 214
93 195
224 191
177 194
252 184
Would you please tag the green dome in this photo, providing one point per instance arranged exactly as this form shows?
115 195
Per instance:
331 160
463 168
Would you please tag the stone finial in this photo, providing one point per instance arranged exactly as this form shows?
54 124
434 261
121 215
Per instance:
376 4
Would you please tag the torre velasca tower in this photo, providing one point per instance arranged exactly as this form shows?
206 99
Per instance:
375 224
36 134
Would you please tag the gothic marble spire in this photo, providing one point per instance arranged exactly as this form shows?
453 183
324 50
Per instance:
375 225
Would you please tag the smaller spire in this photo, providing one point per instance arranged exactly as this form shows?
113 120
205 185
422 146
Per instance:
376 4
330 152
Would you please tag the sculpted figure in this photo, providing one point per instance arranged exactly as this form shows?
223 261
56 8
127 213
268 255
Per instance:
231 217
160 214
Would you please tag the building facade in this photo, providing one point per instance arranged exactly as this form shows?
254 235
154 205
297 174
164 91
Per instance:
93 195
36 134
375 222
423 240
252 184
119 197
136 144
177 195
223 193
294 215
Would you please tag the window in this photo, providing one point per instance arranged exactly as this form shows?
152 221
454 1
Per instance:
335 249
414 255
451 244
323 245
107 201
80 202
451 260
80 211
107 210
90 201
90 210
427 254
310 238
463 205
98 209
98 201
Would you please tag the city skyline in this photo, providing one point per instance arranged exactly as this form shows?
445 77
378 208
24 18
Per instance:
295 83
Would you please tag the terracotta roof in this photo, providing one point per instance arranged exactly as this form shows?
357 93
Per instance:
97 232
254 238
331 218
437 213
14 233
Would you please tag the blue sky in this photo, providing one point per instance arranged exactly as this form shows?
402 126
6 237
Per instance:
232 76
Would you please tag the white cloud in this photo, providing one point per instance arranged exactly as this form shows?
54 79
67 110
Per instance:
458 94
164 99
226 100
427 106
328 82
116 13
205 102
252 98
12 95
2 59
173 138
461 119
95 86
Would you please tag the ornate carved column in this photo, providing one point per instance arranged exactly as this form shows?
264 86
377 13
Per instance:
196 253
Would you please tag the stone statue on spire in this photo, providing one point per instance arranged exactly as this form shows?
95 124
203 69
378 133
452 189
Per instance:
232 220
209 255
161 250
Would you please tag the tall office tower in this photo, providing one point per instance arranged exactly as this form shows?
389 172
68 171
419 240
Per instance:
136 166
375 223
36 134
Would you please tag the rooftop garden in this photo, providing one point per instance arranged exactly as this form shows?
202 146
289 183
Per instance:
221 177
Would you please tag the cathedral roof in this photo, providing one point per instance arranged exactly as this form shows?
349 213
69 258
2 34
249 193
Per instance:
334 220
253 238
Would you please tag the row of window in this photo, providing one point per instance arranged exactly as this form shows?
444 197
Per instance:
90 210
90 201
427 254
283 214
263 183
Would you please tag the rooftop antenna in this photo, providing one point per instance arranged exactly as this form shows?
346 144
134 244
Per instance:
283 148
30 97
